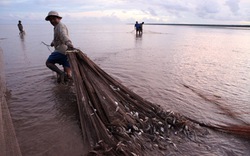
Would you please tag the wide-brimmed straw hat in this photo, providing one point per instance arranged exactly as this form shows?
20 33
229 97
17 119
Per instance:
52 13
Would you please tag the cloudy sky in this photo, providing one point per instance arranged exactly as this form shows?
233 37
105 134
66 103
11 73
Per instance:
128 11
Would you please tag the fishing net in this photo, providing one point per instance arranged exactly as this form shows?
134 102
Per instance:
115 120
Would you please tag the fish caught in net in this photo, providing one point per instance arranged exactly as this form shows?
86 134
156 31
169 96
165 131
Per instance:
116 121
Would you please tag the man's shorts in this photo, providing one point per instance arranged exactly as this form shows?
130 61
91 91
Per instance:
59 58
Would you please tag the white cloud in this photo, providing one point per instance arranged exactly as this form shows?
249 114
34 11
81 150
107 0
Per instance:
233 5
171 11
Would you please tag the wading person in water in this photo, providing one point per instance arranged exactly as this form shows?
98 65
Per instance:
20 27
140 28
137 27
61 42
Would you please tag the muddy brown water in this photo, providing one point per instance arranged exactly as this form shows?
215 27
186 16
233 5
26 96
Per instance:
200 72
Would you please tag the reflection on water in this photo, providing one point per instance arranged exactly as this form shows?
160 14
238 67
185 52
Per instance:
202 73
23 45
138 36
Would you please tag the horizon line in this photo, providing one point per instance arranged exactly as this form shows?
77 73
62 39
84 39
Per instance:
215 25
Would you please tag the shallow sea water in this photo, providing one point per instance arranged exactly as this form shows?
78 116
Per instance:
199 72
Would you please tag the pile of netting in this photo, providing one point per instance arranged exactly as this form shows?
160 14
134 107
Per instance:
115 120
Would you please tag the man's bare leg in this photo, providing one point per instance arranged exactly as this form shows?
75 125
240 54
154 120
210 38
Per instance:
68 72
54 68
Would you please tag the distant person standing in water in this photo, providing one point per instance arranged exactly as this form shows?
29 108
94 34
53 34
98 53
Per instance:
61 42
20 27
140 28
137 27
